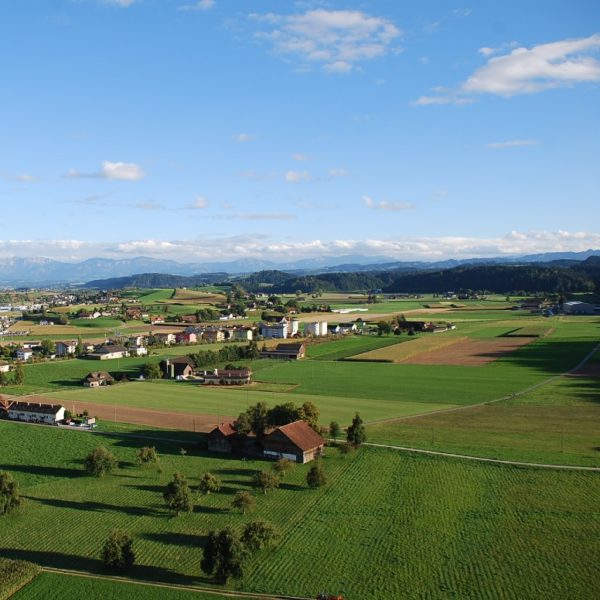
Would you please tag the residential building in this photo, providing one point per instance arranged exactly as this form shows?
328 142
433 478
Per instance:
186 337
33 412
108 351
296 441
4 366
274 329
176 368
97 379
212 334
228 377
66 348
24 354
293 351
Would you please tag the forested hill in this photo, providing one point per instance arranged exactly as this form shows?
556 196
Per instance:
581 277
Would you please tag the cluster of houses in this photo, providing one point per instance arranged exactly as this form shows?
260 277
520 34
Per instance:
296 441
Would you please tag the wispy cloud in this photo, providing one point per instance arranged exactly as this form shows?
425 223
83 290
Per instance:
526 71
148 205
337 40
121 3
385 205
512 144
244 137
337 172
262 216
200 5
299 156
111 170
297 176
199 203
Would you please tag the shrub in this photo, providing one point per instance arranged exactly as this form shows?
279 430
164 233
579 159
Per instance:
244 502
178 495
118 553
257 535
99 462
266 481
316 476
147 455
9 493
209 483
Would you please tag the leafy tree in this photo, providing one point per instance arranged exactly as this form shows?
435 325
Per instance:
48 347
99 462
356 433
310 413
19 373
334 430
151 371
118 553
346 448
3 380
244 502
209 483
266 481
316 475
283 466
224 555
257 535
79 348
147 455
243 424
257 419
178 495
9 493
383 327
282 414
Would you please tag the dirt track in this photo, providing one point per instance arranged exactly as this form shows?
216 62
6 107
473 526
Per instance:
469 352
142 416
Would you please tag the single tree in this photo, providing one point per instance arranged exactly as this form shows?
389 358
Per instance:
258 415
48 347
224 555
316 475
178 495
79 349
19 373
3 379
244 502
282 414
151 371
310 413
283 466
334 430
357 433
266 481
9 493
209 483
383 327
99 462
346 448
257 535
147 455
118 553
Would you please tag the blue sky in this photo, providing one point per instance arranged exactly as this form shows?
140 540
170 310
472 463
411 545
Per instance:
220 129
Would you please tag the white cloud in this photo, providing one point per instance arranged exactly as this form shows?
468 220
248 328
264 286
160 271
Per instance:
215 248
122 170
297 176
200 5
338 172
527 71
299 156
199 203
462 12
511 144
149 205
336 39
385 205
111 170
245 137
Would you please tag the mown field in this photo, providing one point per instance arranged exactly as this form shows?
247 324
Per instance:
349 346
423 528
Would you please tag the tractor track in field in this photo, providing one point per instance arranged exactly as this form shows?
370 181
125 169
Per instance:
522 392
175 586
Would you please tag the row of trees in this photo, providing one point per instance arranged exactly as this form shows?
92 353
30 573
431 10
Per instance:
258 418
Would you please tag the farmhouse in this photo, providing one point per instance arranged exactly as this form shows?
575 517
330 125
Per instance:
221 438
294 351
97 379
173 368
575 307
66 348
107 352
24 354
32 412
228 377
296 441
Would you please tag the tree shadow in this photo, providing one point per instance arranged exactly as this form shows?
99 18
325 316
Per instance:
177 539
66 472
209 510
91 506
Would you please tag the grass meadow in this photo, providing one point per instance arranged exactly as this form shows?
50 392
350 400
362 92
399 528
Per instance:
423 528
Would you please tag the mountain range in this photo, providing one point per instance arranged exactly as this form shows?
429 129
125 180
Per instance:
44 271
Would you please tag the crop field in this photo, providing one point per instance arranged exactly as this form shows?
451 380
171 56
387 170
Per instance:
407 347
424 527
14 574
176 397
54 586
348 346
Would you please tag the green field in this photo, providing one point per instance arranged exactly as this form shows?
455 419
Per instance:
423 528
348 346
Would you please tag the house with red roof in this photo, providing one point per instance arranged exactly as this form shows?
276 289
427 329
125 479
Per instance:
297 441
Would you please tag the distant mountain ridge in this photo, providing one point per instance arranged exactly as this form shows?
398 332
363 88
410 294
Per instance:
45 271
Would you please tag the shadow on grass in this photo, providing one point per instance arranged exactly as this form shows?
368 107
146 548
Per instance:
46 471
209 510
177 539
134 511
59 560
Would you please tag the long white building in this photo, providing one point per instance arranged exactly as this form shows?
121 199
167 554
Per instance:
315 328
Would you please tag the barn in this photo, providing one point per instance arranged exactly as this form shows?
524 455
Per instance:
296 441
